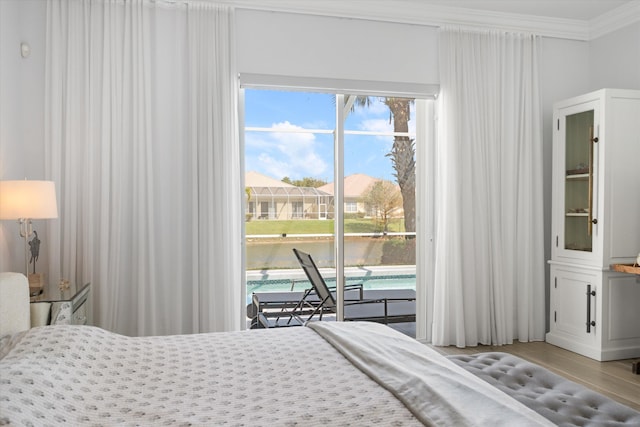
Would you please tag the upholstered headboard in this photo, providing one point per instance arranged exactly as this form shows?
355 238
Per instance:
14 303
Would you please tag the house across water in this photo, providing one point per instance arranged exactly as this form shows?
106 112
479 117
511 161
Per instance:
270 198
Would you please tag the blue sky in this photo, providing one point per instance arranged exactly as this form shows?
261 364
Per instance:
299 155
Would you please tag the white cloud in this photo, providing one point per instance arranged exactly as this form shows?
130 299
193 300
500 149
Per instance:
383 122
376 108
383 125
287 153
273 167
376 125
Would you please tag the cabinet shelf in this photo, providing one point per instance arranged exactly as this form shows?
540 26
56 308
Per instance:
579 171
583 214
578 177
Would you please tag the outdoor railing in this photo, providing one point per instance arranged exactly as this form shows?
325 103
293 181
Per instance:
374 234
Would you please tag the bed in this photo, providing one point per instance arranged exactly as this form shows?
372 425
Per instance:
328 373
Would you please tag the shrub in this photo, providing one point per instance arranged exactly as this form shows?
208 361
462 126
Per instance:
399 252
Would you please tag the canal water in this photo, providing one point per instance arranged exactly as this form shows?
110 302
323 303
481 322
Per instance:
278 254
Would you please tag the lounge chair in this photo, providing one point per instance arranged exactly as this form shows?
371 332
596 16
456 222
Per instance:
396 306
278 309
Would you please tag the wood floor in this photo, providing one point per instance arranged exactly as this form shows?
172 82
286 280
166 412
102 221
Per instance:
614 379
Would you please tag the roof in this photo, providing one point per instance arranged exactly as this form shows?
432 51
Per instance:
354 185
287 191
263 185
255 179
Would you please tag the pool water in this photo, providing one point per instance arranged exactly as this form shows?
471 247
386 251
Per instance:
400 281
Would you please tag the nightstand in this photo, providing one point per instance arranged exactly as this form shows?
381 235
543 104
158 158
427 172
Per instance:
61 308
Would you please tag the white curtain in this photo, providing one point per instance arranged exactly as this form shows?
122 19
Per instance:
142 141
489 262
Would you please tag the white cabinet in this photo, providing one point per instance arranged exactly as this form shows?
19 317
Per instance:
595 312
595 223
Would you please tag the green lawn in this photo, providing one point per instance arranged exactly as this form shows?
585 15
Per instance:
316 226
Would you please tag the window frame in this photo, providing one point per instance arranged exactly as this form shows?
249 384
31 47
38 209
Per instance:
424 96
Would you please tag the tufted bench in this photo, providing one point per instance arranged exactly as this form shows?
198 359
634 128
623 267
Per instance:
563 402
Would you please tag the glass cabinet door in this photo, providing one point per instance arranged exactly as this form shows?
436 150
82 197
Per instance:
579 181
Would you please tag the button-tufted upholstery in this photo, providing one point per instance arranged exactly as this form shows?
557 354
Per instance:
14 303
563 402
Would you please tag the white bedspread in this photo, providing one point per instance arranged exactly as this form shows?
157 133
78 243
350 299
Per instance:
83 376
436 390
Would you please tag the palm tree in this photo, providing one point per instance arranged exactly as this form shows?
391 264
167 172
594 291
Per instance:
402 153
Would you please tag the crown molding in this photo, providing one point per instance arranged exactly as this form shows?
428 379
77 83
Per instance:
353 87
619 17
418 13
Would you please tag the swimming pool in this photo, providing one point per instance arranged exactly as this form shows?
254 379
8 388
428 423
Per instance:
393 281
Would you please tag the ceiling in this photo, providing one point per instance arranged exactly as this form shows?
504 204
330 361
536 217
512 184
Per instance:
584 10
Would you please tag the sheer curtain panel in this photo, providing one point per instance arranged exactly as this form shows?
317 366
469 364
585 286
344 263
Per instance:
141 138
489 262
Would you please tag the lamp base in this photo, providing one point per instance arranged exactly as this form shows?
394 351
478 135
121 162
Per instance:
36 283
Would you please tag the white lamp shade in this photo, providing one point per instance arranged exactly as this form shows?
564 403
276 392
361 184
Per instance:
28 199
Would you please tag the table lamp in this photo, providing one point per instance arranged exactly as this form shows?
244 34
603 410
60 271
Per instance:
24 201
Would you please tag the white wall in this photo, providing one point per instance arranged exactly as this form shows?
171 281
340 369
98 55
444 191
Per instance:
614 59
21 113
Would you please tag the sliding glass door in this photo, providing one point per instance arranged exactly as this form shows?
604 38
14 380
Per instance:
379 204
289 167
333 175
